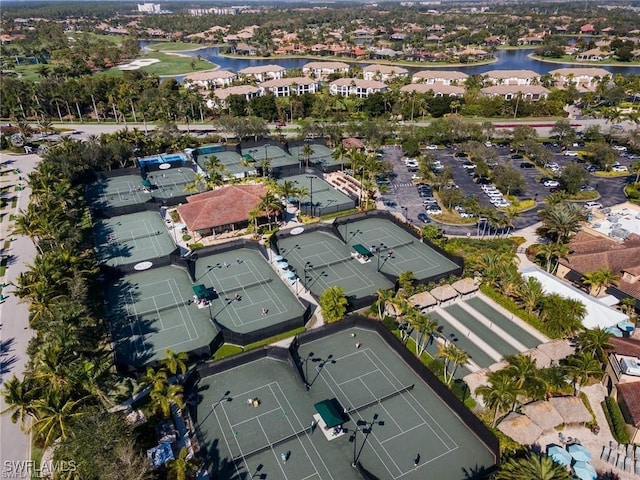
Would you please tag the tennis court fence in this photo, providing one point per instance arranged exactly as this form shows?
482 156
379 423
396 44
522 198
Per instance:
384 398
245 286
272 445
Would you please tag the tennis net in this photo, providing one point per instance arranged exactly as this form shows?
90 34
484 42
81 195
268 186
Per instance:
270 446
329 264
134 237
157 309
381 399
245 286
399 245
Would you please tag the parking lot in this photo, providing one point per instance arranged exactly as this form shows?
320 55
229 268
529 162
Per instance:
403 196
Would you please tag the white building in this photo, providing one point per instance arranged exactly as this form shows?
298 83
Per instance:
432 77
509 92
285 87
383 73
212 79
149 8
263 73
511 77
356 86
582 78
322 70
220 95
438 89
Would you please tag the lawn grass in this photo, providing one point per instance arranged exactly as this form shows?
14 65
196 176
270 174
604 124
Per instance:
36 457
169 65
174 46
571 60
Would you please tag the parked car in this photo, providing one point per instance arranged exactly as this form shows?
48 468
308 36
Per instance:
469 165
552 166
593 168
423 217
619 168
432 147
592 205
517 156
433 210
570 153
587 188
527 165
551 183
619 148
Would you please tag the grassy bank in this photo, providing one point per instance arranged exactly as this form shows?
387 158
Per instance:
169 65
570 60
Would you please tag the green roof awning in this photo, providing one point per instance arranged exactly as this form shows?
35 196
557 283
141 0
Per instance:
146 183
362 250
246 156
200 292
330 411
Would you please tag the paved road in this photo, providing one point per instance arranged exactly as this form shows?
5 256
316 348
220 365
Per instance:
14 316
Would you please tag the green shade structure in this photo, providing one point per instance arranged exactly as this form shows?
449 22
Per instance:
330 412
362 250
200 291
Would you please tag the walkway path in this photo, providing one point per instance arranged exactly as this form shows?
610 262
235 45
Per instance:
14 316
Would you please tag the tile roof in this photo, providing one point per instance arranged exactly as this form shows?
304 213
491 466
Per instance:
629 396
437 88
629 347
590 252
447 75
222 206
385 69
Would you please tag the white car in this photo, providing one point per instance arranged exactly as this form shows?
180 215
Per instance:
620 148
551 183
488 144
432 147
433 210
570 153
619 168
592 205
503 204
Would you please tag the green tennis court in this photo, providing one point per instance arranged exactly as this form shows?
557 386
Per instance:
322 260
326 199
277 156
394 425
170 183
232 161
133 238
251 295
321 155
153 311
407 252
116 192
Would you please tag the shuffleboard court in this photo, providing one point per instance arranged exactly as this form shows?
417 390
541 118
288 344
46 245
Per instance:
116 192
150 312
251 296
133 238
170 183
408 253
322 260
394 425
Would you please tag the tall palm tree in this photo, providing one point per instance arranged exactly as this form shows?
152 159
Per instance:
162 398
199 182
535 466
561 221
307 151
452 355
499 394
54 412
270 205
524 373
581 367
384 296
594 342
339 154
530 293
599 279
426 327
175 362
216 172
19 396
183 467
156 379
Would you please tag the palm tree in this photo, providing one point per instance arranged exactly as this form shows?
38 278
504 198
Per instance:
635 168
499 394
270 205
175 362
19 396
54 412
530 293
426 327
183 467
333 304
525 374
581 367
307 151
562 316
599 279
163 397
216 171
340 152
561 221
406 279
535 466
156 379
384 296
594 342
199 181
452 355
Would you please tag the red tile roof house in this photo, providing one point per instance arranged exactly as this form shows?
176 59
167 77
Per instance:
223 210
622 379
589 252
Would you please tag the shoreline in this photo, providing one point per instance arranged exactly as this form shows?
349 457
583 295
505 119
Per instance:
583 64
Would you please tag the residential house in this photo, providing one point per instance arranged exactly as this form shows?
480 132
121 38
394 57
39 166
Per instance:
356 86
510 92
587 28
512 77
582 78
285 87
322 70
590 252
383 73
594 55
529 40
211 79
438 89
262 73
225 209
220 95
432 77
473 54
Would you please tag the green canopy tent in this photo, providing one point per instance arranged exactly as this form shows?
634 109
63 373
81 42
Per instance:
362 250
200 292
331 412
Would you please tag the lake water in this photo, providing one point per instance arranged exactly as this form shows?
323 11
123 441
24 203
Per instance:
507 60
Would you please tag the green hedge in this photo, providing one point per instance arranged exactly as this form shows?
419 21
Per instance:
513 307
616 420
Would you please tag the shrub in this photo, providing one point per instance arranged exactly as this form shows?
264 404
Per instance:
186 237
195 246
616 420
390 323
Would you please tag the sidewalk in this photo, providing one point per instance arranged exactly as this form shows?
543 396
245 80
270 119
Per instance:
14 316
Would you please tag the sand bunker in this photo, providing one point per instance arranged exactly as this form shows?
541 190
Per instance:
137 64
